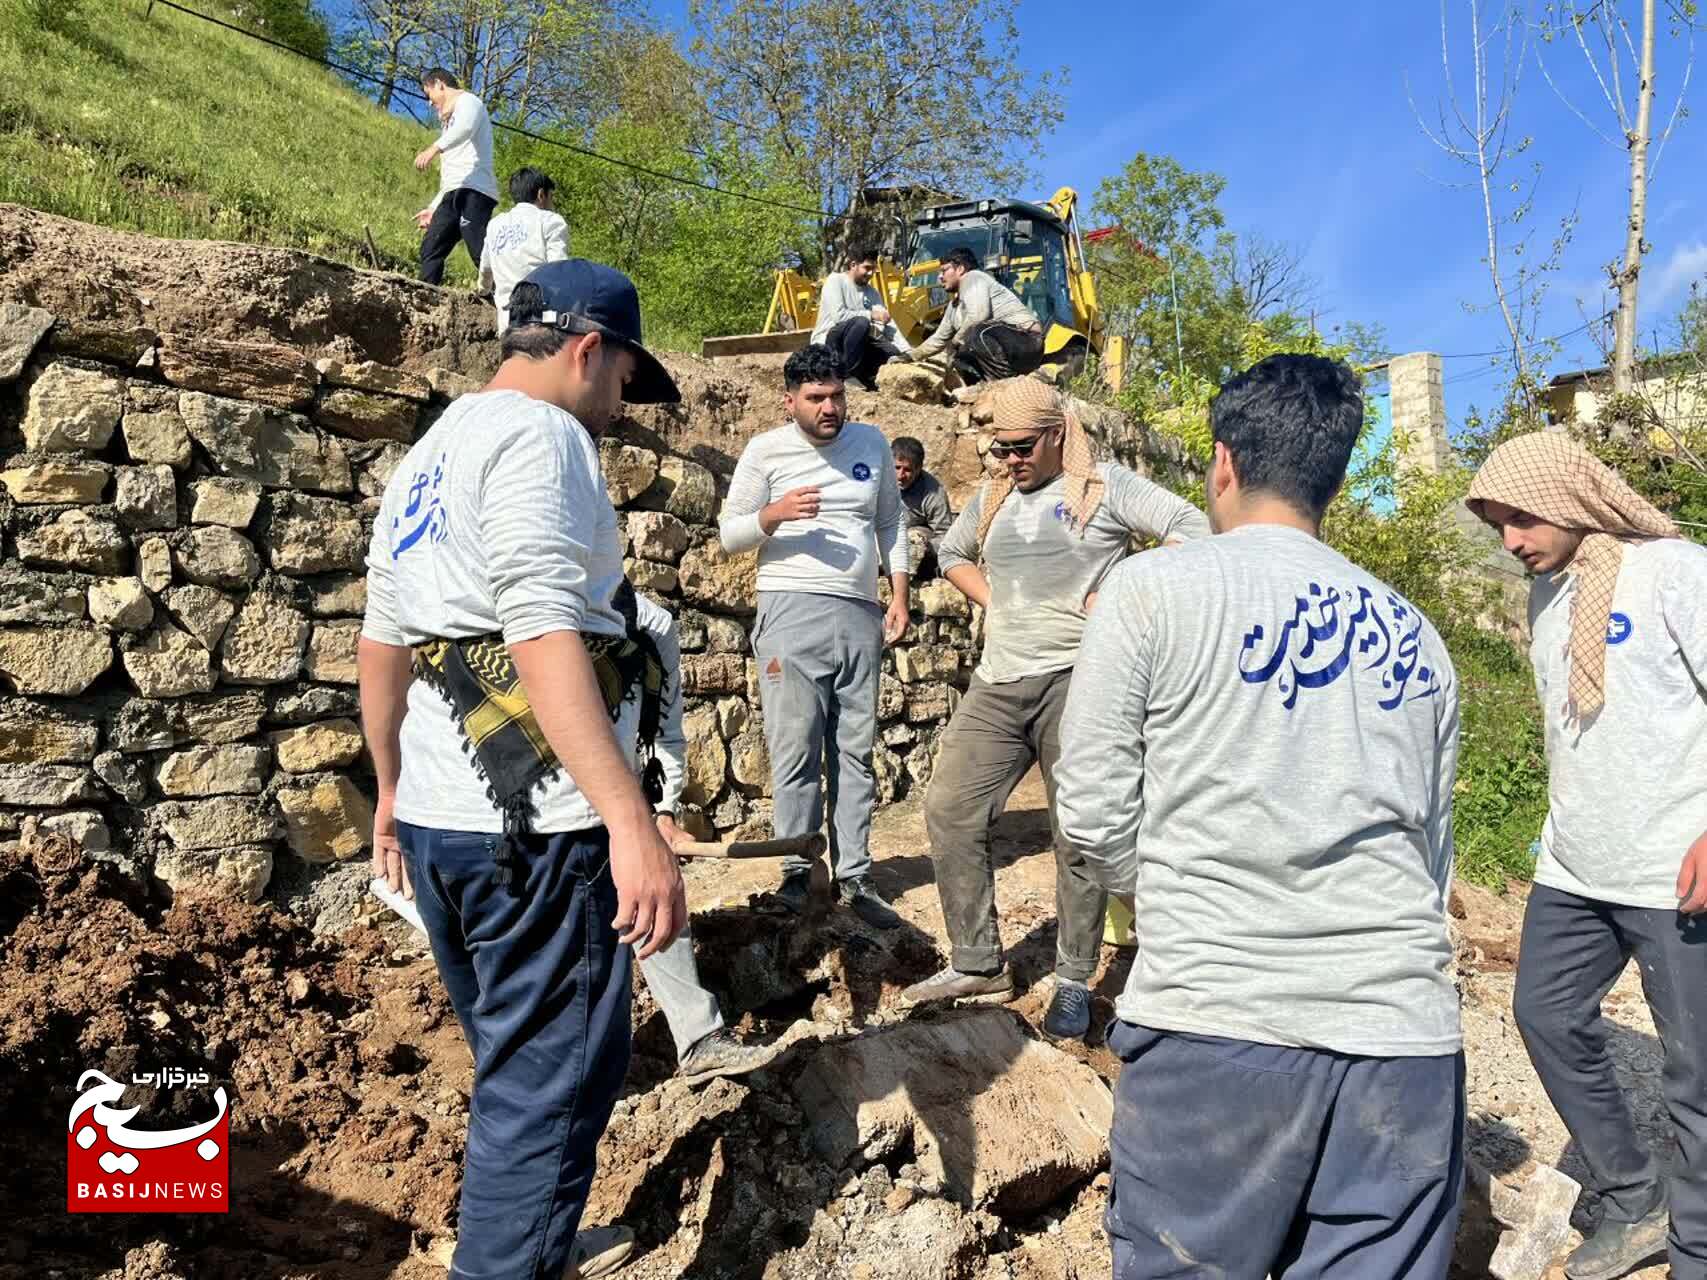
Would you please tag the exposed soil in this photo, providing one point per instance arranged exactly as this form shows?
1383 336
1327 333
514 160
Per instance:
348 1078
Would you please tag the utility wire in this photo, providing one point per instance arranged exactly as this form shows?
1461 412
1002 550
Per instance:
404 91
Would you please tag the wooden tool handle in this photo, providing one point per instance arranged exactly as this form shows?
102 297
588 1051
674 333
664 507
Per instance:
811 846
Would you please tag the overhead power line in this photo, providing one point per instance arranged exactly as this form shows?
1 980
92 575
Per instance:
406 92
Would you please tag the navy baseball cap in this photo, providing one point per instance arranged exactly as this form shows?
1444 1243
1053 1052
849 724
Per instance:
579 293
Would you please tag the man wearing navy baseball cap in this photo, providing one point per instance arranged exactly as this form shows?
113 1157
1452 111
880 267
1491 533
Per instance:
504 684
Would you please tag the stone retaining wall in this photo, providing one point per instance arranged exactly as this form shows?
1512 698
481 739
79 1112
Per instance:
184 522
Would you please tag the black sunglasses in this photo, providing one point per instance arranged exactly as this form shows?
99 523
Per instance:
1016 448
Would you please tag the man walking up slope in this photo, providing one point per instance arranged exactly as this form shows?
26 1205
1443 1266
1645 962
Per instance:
468 186
817 498
1618 624
1260 743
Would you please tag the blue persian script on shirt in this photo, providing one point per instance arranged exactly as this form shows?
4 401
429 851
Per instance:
1332 632
424 516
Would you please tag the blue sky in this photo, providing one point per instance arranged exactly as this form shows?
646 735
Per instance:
1303 109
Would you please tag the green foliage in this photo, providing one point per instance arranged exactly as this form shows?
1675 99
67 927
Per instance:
1500 799
167 125
293 22
927 93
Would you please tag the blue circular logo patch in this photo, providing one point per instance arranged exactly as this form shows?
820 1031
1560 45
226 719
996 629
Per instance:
1617 628
1061 511
861 471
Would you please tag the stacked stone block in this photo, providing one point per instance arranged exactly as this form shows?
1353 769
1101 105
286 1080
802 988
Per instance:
183 526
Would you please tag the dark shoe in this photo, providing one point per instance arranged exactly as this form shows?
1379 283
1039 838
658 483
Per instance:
721 1054
599 1251
796 888
1618 1248
867 903
953 985
1069 1016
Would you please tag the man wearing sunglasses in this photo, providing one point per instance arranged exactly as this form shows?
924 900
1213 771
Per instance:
1046 533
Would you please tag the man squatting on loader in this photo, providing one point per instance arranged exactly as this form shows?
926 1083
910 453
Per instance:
853 322
817 497
1046 534
1260 743
509 790
1618 626
989 332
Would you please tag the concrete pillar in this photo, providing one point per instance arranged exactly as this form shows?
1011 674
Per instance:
1418 396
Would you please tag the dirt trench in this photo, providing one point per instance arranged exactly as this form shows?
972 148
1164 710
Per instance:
349 1081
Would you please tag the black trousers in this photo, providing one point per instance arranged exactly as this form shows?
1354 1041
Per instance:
461 215
993 351
858 354
1573 951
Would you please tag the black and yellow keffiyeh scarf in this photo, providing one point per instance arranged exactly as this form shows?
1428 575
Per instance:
477 676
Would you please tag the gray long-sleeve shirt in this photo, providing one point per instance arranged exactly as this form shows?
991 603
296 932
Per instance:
840 299
859 523
1260 741
980 297
927 506
1041 570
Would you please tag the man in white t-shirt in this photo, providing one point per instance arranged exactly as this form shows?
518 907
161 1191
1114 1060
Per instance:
817 498
468 186
528 236
503 691
1618 625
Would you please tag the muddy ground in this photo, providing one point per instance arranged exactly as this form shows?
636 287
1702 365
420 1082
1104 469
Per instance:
349 1085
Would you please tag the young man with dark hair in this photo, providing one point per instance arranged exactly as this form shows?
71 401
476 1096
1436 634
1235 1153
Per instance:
1260 743
503 683
528 236
854 323
928 512
817 498
989 332
1618 625
1046 533
468 187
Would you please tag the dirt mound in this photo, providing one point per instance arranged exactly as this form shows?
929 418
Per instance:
346 1134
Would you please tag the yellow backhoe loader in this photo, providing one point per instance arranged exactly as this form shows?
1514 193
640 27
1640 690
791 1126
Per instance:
1034 249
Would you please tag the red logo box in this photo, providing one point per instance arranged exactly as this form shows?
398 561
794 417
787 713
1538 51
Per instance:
112 1168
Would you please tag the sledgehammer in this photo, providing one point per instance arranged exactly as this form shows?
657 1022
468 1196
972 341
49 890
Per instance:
811 846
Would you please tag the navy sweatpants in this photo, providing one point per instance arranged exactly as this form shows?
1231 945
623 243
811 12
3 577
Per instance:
1244 1161
541 987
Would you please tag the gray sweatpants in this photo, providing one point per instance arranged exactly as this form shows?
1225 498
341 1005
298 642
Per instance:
819 659
672 976
1573 951
998 732
1245 1160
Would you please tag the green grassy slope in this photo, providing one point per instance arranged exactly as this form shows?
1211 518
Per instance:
171 126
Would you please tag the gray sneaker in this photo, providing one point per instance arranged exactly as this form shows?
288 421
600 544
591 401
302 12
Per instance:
953 985
1618 1248
721 1054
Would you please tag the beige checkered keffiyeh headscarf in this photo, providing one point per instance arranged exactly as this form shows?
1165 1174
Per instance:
1026 404
1552 476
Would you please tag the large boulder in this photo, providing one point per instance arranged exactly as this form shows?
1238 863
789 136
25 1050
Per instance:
275 449
261 371
716 580
21 329
71 409
1003 1121
57 661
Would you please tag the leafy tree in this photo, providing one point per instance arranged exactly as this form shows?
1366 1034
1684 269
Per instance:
925 93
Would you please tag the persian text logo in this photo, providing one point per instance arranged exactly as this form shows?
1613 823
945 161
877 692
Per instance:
113 1168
